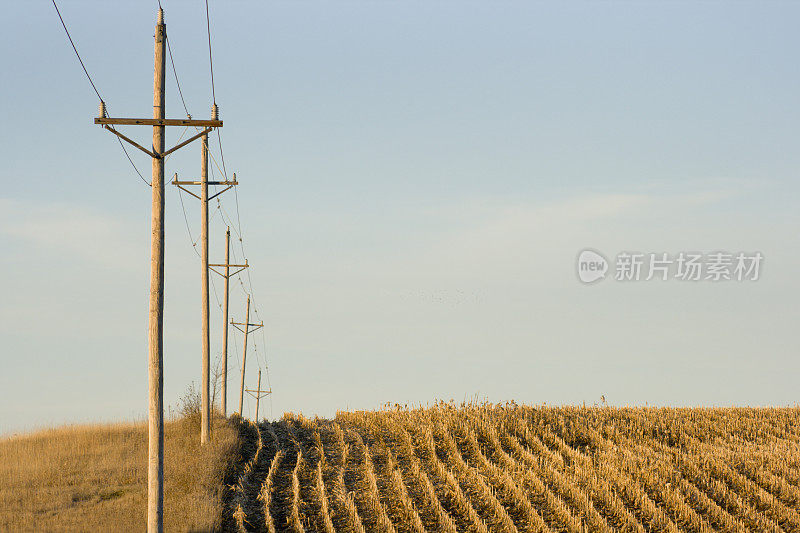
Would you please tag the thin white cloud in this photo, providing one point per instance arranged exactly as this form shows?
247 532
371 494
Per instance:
67 230
518 240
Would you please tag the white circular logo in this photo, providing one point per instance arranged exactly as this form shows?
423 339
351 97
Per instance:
591 266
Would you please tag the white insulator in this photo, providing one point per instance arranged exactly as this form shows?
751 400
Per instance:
160 16
102 109
214 112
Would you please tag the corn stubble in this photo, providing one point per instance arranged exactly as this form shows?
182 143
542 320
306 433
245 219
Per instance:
512 468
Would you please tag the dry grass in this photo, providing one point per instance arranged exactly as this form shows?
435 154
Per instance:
94 478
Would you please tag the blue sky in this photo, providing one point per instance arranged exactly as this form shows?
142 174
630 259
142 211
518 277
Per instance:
417 179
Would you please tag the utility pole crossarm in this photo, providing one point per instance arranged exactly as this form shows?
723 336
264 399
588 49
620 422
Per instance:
155 154
262 393
176 182
248 327
159 122
181 185
227 268
257 393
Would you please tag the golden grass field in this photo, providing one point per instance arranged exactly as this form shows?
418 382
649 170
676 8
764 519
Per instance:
482 468
94 478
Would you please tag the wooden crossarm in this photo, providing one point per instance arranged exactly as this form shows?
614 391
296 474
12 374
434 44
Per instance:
159 122
260 393
224 265
182 184
175 182
215 266
248 328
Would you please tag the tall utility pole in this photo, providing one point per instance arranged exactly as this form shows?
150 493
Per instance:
205 405
227 275
258 393
247 325
155 361
155 463
224 392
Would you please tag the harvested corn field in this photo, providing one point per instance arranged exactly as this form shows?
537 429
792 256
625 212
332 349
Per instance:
516 468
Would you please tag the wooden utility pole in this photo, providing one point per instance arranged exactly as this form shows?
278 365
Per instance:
155 463
224 392
246 330
155 362
244 354
205 403
227 275
205 407
258 393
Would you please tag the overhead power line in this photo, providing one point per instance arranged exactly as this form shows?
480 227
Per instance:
224 171
210 59
175 72
131 161
76 51
102 102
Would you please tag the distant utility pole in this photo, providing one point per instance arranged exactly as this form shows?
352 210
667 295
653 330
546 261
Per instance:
205 403
155 465
258 393
227 275
246 330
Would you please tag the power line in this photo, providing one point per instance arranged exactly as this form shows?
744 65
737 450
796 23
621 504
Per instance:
183 207
132 163
76 51
210 59
188 230
85 71
222 170
222 210
175 72
222 154
130 160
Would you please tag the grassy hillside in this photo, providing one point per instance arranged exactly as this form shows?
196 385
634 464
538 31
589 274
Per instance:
513 468
94 478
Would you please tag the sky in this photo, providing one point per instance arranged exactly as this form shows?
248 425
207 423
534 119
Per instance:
417 180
